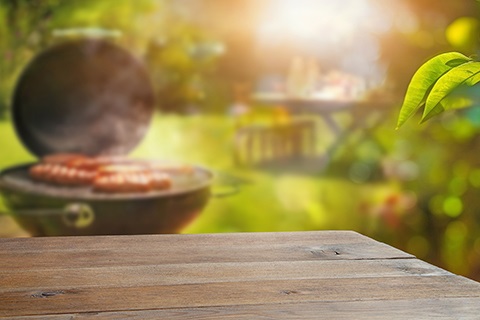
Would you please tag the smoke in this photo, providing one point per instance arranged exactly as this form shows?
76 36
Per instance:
343 34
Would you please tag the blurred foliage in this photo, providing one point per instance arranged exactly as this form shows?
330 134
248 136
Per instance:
178 54
463 34
415 188
180 64
424 36
449 207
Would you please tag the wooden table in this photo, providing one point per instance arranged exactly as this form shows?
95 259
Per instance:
323 107
364 114
299 275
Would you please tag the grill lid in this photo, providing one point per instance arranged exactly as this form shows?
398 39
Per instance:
84 96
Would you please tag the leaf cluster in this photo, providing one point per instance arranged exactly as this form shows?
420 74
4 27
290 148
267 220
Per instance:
435 81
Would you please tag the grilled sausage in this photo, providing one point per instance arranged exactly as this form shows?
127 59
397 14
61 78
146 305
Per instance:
60 174
37 172
160 180
62 158
130 180
104 174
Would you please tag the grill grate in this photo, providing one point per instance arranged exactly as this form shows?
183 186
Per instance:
19 179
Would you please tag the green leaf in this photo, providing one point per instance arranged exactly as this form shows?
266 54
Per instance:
451 80
455 62
473 80
457 102
423 80
435 111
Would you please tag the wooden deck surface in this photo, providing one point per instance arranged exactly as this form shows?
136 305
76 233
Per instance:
296 275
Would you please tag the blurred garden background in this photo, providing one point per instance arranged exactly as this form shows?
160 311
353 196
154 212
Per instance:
212 61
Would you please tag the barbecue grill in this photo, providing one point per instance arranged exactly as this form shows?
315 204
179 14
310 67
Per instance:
91 97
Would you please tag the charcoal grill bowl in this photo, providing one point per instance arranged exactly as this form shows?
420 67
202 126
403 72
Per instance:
45 210
90 96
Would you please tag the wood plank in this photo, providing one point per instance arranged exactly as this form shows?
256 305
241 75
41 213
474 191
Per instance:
326 237
212 249
419 309
171 274
235 253
75 300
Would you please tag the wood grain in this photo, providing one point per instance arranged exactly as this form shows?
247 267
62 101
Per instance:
148 242
128 276
165 249
296 275
44 301
419 309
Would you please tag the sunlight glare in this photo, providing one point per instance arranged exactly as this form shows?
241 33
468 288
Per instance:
326 22
343 35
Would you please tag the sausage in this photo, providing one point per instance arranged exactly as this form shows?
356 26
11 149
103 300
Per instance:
62 158
104 174
131 181
98 162
160 180
60 174
37 171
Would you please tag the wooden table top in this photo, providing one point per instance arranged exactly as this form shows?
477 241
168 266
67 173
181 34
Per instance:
294 275
318 104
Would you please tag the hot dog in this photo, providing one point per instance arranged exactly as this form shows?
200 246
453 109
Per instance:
104 174
130 178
